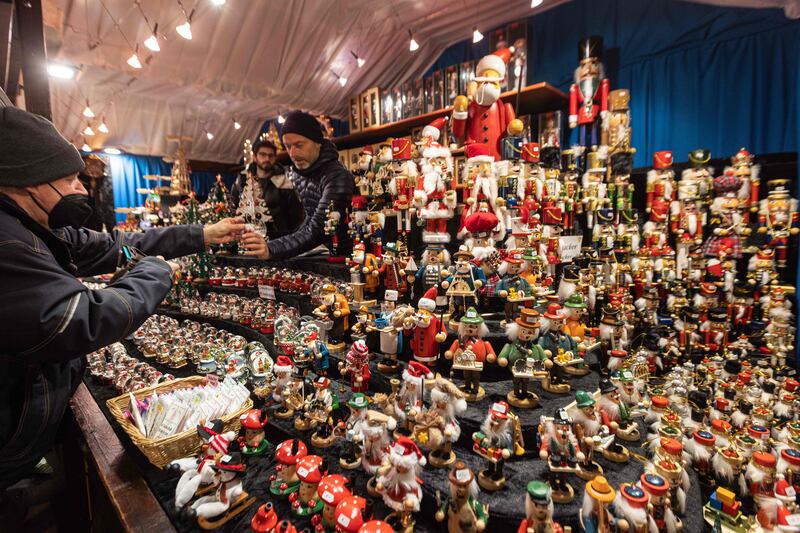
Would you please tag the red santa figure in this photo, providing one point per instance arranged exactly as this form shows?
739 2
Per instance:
408 401
398 481
282 371
427 330
481 175
588 96
356 366
434 196
486 118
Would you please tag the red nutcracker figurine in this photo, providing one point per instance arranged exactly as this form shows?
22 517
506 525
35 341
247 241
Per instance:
391 270
588 96
428 330
402 184
486 118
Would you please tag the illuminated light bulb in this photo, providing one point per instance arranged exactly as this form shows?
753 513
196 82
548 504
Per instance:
62 72
236 125
86 148
89 132
87 111
412 45
342 81
102 128
185 30
112 151
152 43
476 36
361 61
134 62
281 120
536 3
209 135
218 2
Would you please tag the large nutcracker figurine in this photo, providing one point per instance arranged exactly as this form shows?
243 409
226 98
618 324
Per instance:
588 96
402 183
434 197
486 118
777 217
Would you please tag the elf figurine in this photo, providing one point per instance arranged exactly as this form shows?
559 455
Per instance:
524 357
470 351
356 366
588 96
538 510
462 509
485 118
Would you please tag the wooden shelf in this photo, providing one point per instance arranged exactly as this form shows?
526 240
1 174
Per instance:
533 99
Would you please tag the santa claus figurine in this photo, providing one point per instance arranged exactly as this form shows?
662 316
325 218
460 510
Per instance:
447 401
486 118
482 178
356 366
408 400
588 96
427 330
376 444
281 389
399 484
435 198
480 232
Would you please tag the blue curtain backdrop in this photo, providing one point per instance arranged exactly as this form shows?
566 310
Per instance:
699 75
128 171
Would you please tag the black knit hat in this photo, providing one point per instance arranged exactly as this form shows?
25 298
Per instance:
33 151
302 124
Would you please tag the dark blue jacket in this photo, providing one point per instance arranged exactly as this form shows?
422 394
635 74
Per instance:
49 320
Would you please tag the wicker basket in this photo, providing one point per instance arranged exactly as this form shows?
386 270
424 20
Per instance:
161 452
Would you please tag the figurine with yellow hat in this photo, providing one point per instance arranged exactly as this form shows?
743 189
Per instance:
595 516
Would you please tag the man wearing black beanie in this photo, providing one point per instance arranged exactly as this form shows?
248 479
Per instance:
50 319
320 180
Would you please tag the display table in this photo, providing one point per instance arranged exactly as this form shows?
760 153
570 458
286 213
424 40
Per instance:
506 507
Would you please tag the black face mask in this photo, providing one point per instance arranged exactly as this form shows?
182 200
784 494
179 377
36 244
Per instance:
72 210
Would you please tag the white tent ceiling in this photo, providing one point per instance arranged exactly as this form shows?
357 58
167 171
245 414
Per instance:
249 60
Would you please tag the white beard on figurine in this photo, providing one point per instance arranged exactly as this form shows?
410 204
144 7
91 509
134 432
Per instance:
634 398
591 425
376 441
498 431
637 517
453 407
697 452
411 392
565 290
403 455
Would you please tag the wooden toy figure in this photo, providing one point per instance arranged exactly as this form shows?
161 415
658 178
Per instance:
310 470
408 400
399 485
362 262
589 431
253 422
615 414
434 198
499 438
402 183
331 491
351 513
595 516
463 511
335 312
512 287
588 96
631 505
356 366
285 481
197 470
376 444
462 285
282 387
562 452
538 510
437 428
559 348
594 188
391 271
351 428
524 358
470 351
229 500
659 508
483 178
778 218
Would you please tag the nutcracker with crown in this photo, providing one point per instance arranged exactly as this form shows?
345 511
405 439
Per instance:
523 357
402 183
588 95
470 351
630 505
562 452
462 509
499 438
778 218
399 485
486 118
435 195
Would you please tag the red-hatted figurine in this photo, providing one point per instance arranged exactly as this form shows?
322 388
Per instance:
588 96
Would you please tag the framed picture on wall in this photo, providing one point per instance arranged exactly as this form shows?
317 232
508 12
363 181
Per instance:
518 64
366 111
450 85
438 90
353 157
343 158
387 107
466 71
408 99
354 118
397 102
419 96
459 170
429 94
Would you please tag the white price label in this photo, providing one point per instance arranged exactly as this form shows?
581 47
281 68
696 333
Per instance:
266 291
343 520
327 496
302 472
568 247
793 520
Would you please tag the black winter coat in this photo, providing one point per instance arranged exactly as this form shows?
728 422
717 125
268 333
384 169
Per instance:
49 320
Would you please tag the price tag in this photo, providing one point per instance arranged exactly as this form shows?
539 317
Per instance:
327 496
212 380
343 520
266 291
568 247
302 471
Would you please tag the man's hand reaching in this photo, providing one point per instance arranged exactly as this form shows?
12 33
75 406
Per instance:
224 231
254 245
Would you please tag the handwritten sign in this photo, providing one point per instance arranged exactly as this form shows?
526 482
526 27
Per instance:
266 291
568 247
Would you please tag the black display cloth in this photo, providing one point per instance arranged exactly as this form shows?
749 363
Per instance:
506 507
